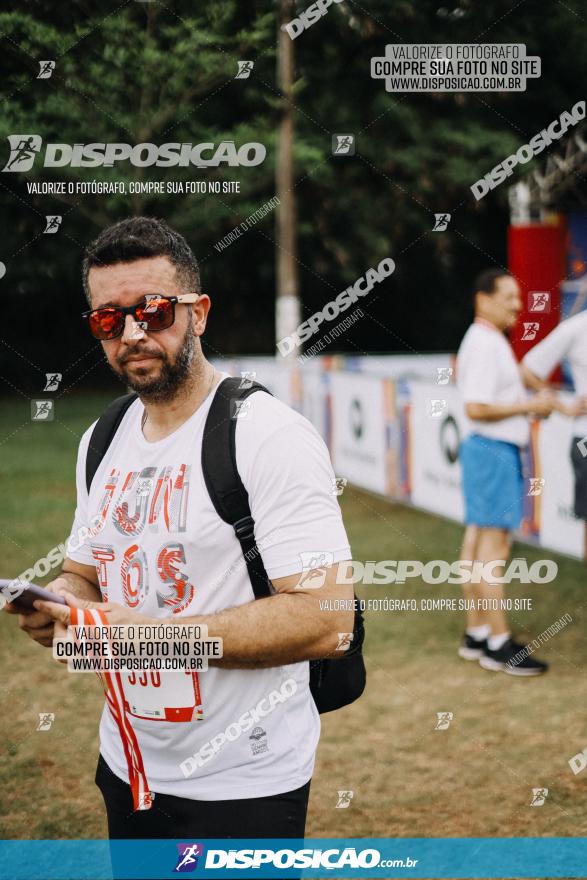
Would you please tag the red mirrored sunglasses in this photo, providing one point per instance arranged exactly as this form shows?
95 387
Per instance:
154 312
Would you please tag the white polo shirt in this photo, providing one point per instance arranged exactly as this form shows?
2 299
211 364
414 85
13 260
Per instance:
162 550
487 372
567 341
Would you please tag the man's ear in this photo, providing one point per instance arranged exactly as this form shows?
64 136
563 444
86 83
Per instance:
200 311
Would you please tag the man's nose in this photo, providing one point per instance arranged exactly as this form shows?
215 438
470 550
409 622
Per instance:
133 332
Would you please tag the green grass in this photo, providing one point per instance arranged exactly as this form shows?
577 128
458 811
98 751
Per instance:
474 779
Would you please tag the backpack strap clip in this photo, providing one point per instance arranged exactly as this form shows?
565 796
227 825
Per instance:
244 528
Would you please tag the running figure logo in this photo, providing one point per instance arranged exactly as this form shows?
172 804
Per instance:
344 800
444 719
441 222
539 795
443 375
188 856
24 148
536 486
53 223
244 69
530 331
46 68
314 567
539 301
53 380
46 719
343 145
42 410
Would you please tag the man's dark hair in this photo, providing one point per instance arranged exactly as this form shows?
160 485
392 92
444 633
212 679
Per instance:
140 237
485 281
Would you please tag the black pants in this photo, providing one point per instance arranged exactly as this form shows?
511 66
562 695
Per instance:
278 815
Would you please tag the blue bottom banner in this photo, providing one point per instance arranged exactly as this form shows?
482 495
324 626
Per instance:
532 857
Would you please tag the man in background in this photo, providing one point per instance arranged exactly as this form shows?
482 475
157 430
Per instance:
568 342
496 431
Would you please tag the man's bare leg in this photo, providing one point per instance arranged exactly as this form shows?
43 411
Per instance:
475 618
493 544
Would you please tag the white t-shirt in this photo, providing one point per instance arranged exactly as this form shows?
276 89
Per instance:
567 341
151 496
487 372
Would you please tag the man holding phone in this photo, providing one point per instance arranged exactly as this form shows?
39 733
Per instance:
158 550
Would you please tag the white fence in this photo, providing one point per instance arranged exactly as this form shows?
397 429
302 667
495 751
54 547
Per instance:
392 429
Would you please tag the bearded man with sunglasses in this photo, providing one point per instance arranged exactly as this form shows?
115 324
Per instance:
157 550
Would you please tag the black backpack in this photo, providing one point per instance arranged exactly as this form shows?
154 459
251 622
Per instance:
333 683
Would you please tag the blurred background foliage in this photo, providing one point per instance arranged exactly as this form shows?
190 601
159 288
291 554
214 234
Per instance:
164 72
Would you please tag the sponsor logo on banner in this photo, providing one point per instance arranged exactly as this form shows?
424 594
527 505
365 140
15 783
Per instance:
359 430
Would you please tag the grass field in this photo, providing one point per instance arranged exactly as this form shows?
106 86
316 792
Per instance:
409 780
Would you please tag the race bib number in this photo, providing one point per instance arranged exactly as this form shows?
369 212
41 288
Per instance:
163 696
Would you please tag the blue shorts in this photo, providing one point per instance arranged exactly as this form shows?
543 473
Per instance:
492 482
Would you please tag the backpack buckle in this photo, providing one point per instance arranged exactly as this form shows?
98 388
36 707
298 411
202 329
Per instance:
244 528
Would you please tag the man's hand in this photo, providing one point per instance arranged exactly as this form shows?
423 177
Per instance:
542 404
577 408
115 614
39 625
75 578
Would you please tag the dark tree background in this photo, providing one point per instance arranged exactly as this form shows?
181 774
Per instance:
164 72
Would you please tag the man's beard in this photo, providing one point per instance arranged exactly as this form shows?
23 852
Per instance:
173 374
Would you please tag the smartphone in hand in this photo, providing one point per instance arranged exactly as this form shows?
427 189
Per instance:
29 594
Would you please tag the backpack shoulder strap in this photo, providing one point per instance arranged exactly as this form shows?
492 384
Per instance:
223 482
103 433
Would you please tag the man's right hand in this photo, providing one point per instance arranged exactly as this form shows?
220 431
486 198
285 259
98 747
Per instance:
40 627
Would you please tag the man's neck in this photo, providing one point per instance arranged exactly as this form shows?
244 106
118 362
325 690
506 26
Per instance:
163 418
486 322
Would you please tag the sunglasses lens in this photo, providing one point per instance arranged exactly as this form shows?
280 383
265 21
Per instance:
106 323
157 313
